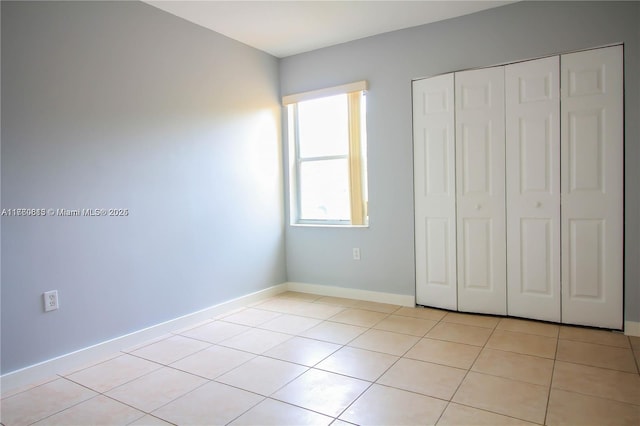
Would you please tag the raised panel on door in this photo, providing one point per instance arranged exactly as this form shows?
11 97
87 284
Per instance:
434 191
592 187
480 157
532 97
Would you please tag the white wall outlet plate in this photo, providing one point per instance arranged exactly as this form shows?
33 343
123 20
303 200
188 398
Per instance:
356 253
51 300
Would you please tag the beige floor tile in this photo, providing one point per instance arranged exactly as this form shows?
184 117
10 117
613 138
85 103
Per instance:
460 333
256 341
589 335
323 392
301 308
290 324
148 342
358 363
528 344
334 332
595 381
458 415
635 342
262 375
339 422
445 353
384 341
149 420
307 297
423 377
359 317
471 319
14 390
511 365
384 308
596 355
338 301
637 355
283 305
215 332
149 392
191 326
406 325
381 405
503 396
213 361
421 312
99 410
570 409
211 404
275 413
302 350
234 311
42 401
251 317
316 310
170 350
529 327
115 372
93 362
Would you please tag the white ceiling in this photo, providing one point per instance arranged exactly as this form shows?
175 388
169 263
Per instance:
284 28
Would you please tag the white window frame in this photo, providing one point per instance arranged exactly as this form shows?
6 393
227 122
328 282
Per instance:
356 157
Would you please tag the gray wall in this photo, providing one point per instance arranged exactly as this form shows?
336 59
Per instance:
121 105
389 62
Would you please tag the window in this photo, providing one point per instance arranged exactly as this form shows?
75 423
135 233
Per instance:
327 139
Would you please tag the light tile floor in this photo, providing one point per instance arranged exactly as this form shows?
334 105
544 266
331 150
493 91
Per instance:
299 359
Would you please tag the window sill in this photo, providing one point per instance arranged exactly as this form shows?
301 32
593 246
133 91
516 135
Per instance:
325 225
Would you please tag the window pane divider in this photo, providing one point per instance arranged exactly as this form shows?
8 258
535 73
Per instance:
324 158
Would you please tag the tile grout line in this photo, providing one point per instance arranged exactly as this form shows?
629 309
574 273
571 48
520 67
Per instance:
553 372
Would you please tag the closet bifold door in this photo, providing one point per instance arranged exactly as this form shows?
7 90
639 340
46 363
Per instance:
592 187
532 96
480 190
434 191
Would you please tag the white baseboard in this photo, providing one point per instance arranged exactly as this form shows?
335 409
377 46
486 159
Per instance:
632 328
352 293
86 356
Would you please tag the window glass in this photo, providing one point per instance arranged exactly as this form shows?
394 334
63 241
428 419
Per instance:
324 190
323 127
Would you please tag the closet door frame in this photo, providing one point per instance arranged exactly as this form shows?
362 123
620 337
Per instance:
591 231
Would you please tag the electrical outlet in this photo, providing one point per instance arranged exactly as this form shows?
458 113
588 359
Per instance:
356 253
51 300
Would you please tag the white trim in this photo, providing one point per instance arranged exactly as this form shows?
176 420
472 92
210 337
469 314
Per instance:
357 86
632 328
86 356
353 293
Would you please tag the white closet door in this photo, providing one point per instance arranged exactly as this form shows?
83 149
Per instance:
434 191
532 96
592 187
480 175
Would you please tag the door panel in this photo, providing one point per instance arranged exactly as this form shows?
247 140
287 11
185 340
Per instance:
434 192
592 187
480 194
533 188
